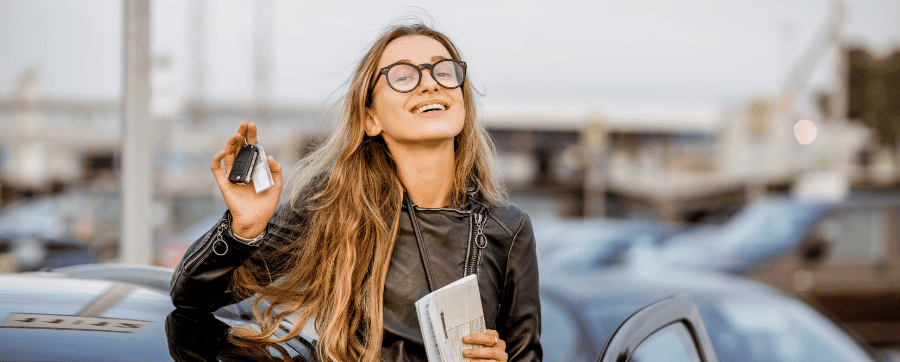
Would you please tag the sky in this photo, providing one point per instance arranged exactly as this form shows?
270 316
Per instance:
689 51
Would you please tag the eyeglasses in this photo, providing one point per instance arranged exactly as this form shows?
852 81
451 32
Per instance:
404 77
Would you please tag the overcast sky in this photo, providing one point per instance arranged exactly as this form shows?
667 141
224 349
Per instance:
517 51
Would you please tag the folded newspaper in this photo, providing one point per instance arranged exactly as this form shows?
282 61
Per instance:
448 314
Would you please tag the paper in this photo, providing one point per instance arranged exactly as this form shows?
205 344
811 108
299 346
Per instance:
448 314
261 175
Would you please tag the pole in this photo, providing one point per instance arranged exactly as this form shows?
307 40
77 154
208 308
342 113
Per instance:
137 172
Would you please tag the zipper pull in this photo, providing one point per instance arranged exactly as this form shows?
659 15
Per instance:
480 239
218 239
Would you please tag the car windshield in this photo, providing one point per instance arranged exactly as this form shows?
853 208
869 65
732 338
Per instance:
755 329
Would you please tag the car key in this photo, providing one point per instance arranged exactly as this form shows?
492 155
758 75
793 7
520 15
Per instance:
261 175
242 168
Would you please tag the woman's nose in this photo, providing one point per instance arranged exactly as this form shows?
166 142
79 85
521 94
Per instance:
428 83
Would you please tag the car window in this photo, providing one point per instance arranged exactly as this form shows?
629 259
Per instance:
673 343
775 330
856 237
765 329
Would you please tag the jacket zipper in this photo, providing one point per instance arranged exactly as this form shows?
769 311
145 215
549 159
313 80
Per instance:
204 250
477 241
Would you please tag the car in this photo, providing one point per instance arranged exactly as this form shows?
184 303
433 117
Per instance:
120 313
746 321
30 253
51 317
87 216
759 233
847 264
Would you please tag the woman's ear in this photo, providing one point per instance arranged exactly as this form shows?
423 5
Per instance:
372 123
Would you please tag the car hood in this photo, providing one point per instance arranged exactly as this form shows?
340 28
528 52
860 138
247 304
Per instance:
65 319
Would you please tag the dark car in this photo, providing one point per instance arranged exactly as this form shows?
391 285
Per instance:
848 264
47 317
98 313
746 320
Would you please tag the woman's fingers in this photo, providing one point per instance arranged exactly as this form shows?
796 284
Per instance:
232 148
486 354
217 168
487 339
275 168
242 129
495 348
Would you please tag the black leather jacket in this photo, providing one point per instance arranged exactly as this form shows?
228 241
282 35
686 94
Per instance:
497 243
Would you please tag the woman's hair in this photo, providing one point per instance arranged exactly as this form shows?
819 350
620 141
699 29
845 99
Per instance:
350 188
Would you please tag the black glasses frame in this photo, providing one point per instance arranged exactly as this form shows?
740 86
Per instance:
419 68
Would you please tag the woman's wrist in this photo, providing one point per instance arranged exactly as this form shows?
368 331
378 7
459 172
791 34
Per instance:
243 230
247 232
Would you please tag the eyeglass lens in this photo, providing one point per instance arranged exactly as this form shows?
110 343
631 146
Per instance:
404 77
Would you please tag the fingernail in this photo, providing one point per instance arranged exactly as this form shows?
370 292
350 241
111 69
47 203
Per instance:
467 339
467 352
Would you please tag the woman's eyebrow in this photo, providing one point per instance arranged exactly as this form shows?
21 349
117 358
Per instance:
433 59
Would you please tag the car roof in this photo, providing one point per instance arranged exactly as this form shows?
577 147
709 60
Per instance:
614 282
47 317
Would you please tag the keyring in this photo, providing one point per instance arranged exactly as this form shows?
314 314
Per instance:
217 243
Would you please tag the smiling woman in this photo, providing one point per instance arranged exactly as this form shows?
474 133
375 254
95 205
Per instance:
400 201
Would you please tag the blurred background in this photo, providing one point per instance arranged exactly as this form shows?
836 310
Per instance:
684 118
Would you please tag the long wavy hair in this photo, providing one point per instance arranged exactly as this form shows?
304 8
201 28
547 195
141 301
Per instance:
335 272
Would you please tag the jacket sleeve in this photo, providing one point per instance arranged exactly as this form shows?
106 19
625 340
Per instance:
202 279
520 302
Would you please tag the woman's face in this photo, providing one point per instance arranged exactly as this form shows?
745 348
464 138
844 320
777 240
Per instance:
398 117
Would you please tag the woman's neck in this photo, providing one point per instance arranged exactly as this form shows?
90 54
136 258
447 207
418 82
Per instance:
426 172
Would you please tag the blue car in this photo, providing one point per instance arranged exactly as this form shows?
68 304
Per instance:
761 232
746 321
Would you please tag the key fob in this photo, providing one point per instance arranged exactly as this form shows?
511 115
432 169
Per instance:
243 165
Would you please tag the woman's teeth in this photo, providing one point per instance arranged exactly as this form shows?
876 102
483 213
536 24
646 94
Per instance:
430 107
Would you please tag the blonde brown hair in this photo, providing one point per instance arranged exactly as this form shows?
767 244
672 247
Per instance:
336 270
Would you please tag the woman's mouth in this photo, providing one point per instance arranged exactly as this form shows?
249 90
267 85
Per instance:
429 107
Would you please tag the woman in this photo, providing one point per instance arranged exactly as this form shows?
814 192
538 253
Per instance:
400 201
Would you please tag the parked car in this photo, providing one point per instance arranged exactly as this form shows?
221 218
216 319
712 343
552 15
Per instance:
88 216
746 321
29 253
848 265
48 317
759 233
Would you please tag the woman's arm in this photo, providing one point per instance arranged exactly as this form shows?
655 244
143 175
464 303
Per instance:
203 276
520 304
202 279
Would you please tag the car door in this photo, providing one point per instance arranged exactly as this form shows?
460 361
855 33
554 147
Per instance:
669 330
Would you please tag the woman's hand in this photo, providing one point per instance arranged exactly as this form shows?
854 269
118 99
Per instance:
250 211
494 349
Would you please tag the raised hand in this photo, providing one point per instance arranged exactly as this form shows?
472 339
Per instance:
250 211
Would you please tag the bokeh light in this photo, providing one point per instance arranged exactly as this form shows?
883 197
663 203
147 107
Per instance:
805 131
